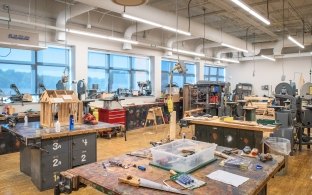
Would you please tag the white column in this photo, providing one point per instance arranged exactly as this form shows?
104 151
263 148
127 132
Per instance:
156 67
201 70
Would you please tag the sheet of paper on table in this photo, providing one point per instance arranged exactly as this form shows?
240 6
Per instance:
228 178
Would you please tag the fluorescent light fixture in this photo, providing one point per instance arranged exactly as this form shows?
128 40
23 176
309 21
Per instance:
155 24
233 47
140 20
101 36
187 52
252 12
295 41
176 30
227 60
269 58
22 46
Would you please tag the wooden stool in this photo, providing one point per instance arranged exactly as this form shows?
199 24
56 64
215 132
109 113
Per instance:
152 115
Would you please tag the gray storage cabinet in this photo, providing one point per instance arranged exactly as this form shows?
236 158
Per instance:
229 137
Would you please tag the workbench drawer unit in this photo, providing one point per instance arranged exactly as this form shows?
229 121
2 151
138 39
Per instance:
8 143
83 149
47 163
229 137
112 116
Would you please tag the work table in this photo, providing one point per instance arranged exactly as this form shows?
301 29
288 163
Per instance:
107 180
218 123
44 153
33 130
231 134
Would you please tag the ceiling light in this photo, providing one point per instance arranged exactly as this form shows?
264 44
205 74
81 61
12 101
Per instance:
295 41
100 36
233 47
227 60
252 12
155 24
187 52
269 58
130 2
140 20
22 46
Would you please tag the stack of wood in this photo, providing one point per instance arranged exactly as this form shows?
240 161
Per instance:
62 103
262 104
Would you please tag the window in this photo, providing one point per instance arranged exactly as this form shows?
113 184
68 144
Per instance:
112 71
51 65
177 78
26 68
212 73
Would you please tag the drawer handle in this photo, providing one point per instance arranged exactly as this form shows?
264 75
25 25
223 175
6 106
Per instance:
215 128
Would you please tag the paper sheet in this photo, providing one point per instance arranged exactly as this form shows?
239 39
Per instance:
228 178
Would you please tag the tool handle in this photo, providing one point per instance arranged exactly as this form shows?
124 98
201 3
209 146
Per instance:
131 180
220 154
172 172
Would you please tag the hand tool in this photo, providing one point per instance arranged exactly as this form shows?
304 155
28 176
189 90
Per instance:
142 168
140 182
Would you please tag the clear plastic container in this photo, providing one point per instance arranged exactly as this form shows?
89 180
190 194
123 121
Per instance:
183 155
278 144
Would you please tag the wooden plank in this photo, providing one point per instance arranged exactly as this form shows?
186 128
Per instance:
235 126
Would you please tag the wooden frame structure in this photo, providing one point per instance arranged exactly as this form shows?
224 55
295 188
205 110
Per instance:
63 103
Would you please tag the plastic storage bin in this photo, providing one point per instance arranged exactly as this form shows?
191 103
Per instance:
172 155
278 144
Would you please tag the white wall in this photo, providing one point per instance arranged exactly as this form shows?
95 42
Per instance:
268 72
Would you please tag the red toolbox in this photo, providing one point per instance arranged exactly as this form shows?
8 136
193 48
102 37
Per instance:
112 116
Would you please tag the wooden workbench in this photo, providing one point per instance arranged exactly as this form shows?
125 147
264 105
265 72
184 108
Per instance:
219 123
230 134
107 180
44 153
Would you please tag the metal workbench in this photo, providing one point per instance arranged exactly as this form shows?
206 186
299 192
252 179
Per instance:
44 153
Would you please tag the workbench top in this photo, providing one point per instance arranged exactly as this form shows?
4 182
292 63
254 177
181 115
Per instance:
107 180
33 130
218 123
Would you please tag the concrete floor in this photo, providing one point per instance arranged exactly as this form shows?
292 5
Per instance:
297 181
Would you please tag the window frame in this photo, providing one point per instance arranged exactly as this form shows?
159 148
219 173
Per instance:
218 77
110 68
178 74
34 64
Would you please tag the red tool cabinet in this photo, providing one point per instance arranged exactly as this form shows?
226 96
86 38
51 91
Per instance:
112 116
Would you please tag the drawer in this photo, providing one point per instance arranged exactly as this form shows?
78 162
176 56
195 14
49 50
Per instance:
56 146
246 138
84 142
215 135
81 157
230 138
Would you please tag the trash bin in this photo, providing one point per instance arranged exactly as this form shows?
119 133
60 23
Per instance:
280 146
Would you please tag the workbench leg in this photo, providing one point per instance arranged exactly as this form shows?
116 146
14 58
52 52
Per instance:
300 138
264 190
309 137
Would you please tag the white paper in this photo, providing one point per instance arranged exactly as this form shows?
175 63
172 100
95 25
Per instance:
228 178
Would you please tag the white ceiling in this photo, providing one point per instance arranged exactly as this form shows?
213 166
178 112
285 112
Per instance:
219 14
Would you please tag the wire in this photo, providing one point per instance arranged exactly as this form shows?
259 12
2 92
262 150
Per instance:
6 55
7 7
189 15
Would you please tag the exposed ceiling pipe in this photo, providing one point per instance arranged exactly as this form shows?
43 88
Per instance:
169 19
173 39
68 13
132 29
